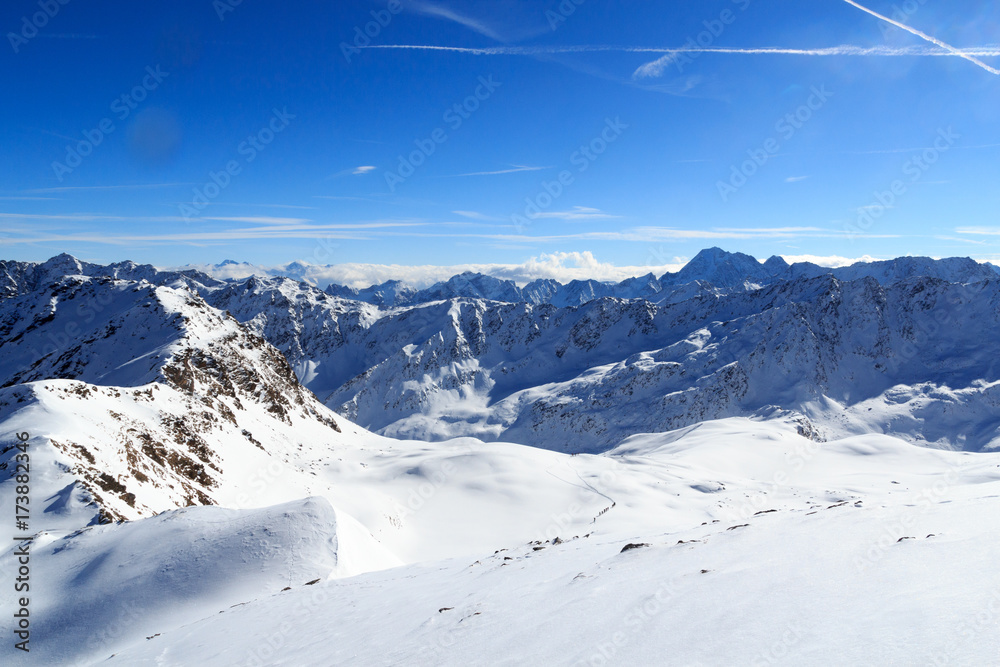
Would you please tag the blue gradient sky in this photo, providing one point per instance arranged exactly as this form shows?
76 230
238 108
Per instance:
892 114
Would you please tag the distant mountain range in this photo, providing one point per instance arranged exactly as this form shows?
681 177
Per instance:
579 367
721 270
712 269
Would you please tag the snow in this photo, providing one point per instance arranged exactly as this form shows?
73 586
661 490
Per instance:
183 563
530 373
817 571
781 589
808 472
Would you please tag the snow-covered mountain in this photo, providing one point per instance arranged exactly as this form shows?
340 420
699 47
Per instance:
386 295
723 271
22 277
157 372
714 268
846 356
759 458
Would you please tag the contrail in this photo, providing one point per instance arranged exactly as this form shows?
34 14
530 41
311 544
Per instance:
958 52
842 50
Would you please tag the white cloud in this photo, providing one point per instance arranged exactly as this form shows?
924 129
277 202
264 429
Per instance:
979 231
448 14
577 213
353 171
667 233
654 68
795 179
769 230
76 188
515 169
238 204
476 215
560 266
842 50
872 207
268 229
259 220
960 240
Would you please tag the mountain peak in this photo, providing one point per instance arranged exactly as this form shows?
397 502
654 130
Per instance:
62 260
776 263
722 269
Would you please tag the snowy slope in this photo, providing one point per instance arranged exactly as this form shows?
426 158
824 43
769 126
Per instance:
119 583
158 395
761 543
781 590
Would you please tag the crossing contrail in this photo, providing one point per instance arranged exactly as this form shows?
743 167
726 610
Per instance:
957 52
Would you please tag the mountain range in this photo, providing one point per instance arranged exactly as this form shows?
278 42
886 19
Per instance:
458 466
721 270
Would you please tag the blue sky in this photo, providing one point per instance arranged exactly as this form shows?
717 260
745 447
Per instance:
194 131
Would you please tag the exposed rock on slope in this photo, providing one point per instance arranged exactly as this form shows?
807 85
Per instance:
184 384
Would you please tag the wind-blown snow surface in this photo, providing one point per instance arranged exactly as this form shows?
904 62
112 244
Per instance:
763 545
779 454
109 583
